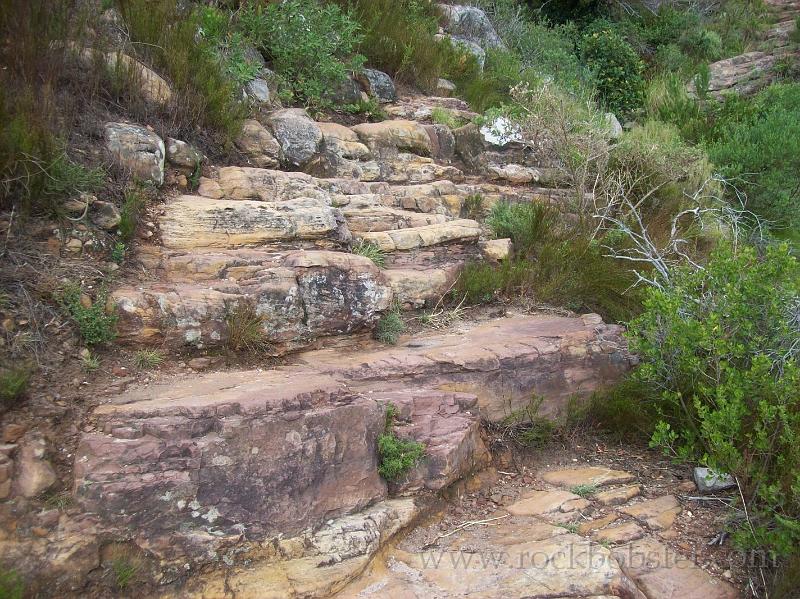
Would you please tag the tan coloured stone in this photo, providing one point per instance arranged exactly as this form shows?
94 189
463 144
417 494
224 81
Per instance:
658 514
496 249
622 533
33 473
514 173
397 134
618 496
587 476
662 573
596 524
258 144
342 141
420 237
153 87
416 287
537 503
193 221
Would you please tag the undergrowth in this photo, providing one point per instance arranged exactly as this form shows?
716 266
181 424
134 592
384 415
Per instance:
390 326
397 456
246 328
95 324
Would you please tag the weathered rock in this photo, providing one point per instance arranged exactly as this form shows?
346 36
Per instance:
247 183
514 173
342 141
378 85
395 135
744 74
501 132
618 496
443 143
182 154
298 135
445 88
467 47
416 287
196 222
33 474
364 214
347 91
588 476
137 151
258 90
299 296
469 145
597 524
538 503
658 514
410 168
152 87
661 572
271 453
496 249
710 481
419 237
258 144
105 215
622 533
470 23
614 126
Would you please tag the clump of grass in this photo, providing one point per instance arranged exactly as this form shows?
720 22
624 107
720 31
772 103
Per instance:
397 456
370 108
125 571
525 427
58 501
90 362
145 359
370 250
94 324
11 585
13 385
584 490
246 328
132 207
390 327
572 527
444 116
473 206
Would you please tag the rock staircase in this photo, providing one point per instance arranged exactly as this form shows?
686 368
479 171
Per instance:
279 467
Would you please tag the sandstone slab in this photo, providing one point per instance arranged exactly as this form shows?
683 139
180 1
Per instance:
619 495
258 144
395 135
662 573
658 514
622 533
425 236
587 476
538 503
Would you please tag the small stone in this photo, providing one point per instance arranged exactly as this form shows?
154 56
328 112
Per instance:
34 474
40 531
119 371
445 88
105 215
182 154
710 481
74 246
258 90
618 496
378 85
658 514
199 363
496 249
13 432
9 326
85 301
622 533
587 527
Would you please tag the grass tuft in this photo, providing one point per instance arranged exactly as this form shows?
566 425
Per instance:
370 250
146 359
246 328
390 327
13 385
94 324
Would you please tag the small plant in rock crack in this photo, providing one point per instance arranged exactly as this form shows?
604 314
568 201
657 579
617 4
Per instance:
146 359
584 490
473 206
124 571
390 326
118 252
95 325
397 456
90 362
246 328
369 250
13 385
572 527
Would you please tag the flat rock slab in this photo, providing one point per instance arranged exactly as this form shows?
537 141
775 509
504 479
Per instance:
658 514
537 503
664 574
591 476
424 236
622 533
618 496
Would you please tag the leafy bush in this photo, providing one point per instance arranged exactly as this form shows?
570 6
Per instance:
311 45
13 385
397 456
94 324
527 225
760 150
164 34
721 346
227 46
390 327
371 251
617 68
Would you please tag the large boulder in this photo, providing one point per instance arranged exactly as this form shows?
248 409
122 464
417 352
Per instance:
137 151
378 85
469 23
258 144
298 135
342 141
396 135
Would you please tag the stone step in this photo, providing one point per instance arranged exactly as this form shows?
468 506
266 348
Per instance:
462 230
273 455
298 297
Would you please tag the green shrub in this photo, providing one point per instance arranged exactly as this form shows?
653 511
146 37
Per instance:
760 151
721 344
526 427
370 250
165 35
618 70
311 45
227 46
584 490
527 225
625 411
118 252
444 116
13 385
390 327
133 205
94 324
397 456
